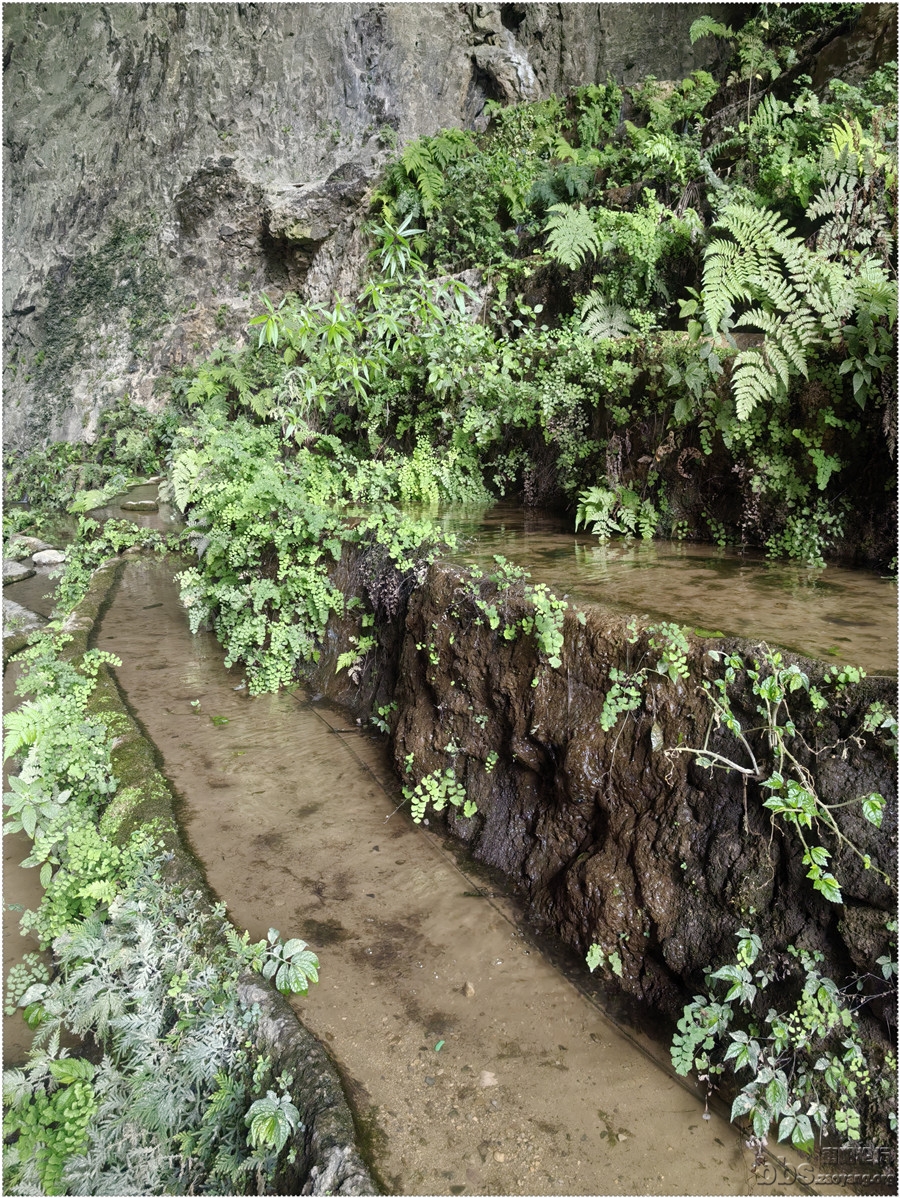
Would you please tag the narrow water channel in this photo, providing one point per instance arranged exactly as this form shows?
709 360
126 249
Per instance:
830 613
475 1066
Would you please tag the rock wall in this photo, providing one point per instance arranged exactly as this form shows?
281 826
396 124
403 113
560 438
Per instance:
608 837
165 162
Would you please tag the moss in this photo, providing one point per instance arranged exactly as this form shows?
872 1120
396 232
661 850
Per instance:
120 283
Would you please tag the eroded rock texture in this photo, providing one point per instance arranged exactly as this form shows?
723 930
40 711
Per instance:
610 838
165 162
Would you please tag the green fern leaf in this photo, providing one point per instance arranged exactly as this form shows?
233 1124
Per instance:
601 319
706 26
571 236
184 475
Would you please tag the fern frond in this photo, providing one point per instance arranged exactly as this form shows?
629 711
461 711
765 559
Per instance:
571 235
424 172
602 320
768 114
450 146
752 382
706 26
185 473
25 724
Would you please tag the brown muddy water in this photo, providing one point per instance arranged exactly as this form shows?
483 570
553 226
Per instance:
474 1065
833 614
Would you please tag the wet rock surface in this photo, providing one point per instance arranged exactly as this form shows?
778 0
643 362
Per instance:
18 620
14 571
139 505
611 839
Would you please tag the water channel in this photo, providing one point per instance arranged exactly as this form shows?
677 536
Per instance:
830 613
474 1063
521 1086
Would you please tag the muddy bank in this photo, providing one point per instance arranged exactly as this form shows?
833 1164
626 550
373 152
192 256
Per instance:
610 839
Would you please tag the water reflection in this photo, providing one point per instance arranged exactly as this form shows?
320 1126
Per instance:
831 613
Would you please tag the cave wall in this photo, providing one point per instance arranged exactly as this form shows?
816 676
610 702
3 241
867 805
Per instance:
163 163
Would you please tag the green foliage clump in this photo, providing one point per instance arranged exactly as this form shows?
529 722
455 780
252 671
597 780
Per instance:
438 788
149 971
777 758
803 1066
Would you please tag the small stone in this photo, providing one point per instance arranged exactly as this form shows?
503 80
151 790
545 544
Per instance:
429 1081
468 990
49 557
487 1079
620 1136
500 1156
15 572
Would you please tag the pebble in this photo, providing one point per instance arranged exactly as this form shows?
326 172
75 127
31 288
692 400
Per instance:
429 1081
48 557
500 1156
469 990
487 1079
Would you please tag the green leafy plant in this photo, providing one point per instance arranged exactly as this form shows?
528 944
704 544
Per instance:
800 1068
773 758
438 788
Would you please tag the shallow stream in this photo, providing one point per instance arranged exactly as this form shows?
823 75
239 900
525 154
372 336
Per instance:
521 1086
833 613
474 1064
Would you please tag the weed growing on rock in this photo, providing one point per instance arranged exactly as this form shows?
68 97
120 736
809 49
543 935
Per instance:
802 1067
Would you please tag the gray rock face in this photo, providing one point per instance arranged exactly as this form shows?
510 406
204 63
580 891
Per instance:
14 571
18 619
48 557
163 163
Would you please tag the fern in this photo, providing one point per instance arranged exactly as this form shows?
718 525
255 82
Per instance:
425 173
571 236
706 26
601 320
26 724
185 474
798 300
225 374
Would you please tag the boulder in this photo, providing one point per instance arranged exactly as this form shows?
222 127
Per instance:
21 546
15 572
48 557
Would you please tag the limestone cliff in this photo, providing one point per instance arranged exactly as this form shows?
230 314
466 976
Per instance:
165 162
